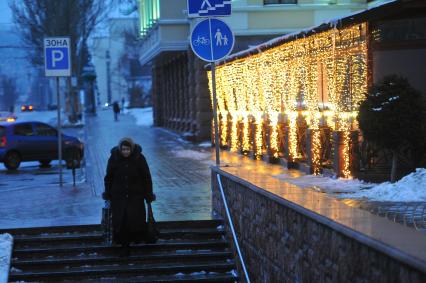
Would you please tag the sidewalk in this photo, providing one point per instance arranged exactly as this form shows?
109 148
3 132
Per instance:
182 185
181 171
32 197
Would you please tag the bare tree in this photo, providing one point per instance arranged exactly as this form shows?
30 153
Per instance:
130 69
37 19
9 92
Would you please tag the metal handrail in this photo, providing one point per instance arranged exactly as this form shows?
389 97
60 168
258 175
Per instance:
231 225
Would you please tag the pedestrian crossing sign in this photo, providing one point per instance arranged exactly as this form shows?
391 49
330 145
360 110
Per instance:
208 8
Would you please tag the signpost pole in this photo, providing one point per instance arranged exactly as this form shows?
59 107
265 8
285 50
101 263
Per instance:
216 125
57 63
59 132
211 40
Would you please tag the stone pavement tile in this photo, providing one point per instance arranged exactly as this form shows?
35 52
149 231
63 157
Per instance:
49 205
182 185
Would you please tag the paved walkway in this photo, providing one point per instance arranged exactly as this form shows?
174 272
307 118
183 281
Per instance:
181 175
182 184
32 197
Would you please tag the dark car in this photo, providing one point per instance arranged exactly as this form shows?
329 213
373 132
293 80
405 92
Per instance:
36 141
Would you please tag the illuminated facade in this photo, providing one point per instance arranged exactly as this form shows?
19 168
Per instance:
296 98
181 98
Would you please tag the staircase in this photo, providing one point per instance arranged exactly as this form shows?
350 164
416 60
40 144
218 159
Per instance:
187 251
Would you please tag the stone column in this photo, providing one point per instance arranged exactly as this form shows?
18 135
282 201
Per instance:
354 152
313 165
186 96
339 146
203 104
288 160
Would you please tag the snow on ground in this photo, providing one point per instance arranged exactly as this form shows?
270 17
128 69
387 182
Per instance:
411 188
325 184
5 253
205 144
192 154
143 116
48 117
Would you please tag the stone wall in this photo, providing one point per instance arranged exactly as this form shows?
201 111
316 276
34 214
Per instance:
283 242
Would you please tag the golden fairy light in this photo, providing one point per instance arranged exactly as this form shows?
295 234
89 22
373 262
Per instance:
320 78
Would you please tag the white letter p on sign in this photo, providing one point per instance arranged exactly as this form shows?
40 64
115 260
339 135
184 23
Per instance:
57 55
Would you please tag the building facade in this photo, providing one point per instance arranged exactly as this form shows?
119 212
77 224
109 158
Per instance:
296 97
180 85
115 56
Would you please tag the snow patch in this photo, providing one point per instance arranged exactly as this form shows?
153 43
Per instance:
411 188
192 154
6 241
205 144
48 117
143 116
326 184
199 273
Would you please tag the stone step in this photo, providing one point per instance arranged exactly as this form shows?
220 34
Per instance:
92 272
101 249
187 251
228 277
97 227
153 257
22 241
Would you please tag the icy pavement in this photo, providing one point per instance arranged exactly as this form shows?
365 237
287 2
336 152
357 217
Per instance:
181 183
181 177
31 196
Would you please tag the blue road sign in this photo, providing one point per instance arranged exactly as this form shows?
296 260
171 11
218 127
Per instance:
57 56
212 40
208 8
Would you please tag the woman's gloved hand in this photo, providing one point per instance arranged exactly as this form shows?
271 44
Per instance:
151 198
105 196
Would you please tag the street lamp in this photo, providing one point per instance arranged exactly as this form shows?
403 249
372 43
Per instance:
89 76
108 62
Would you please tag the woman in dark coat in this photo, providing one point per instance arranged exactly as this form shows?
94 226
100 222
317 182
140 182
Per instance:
127 184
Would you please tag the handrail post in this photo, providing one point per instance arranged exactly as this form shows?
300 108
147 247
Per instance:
231 225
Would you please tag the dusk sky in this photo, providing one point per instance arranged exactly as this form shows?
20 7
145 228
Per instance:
5 14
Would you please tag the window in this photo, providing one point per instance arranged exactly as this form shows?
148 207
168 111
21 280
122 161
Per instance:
267 2
23 130
45 130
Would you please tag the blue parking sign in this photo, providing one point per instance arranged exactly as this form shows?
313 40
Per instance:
57 56
212 40
208 8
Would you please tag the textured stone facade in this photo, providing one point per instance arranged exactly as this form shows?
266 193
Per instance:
180 95
281 242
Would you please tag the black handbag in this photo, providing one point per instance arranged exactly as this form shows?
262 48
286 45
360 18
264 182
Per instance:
152 233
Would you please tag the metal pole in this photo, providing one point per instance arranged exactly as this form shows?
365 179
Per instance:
108 61
59 132
216 126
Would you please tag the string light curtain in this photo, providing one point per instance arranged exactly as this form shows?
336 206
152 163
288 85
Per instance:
289 81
